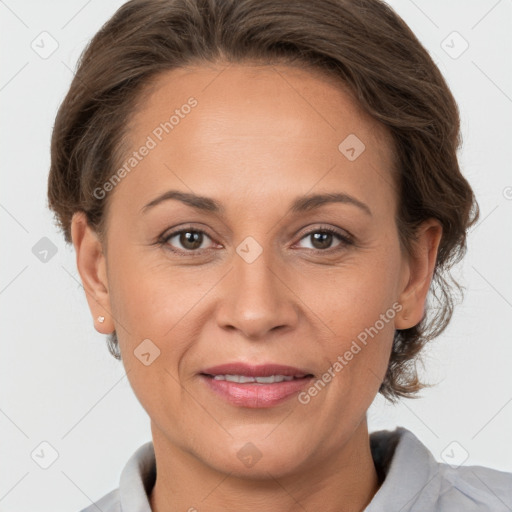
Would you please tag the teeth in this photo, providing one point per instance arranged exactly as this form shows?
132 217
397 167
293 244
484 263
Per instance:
242 379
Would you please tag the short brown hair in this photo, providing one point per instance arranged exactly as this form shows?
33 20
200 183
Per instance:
363 43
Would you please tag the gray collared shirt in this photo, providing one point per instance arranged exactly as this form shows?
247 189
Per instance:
413 481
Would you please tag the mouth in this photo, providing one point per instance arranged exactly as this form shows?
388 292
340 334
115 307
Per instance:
256 371
259 386
244 379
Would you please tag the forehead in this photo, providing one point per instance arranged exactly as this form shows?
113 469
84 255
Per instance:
271 127
253 94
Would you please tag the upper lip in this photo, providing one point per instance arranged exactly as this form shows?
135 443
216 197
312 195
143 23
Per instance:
263 370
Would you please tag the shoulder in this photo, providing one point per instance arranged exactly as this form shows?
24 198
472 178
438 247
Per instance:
135 485
415 481
477 488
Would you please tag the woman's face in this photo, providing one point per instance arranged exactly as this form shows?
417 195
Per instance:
269 273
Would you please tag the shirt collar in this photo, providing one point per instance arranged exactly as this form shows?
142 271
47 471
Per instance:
137 479
411 472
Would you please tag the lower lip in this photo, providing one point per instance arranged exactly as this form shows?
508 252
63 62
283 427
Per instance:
255 395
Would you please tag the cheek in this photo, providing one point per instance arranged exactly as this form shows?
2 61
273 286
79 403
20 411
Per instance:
358 352
354 298
360 306
161 303
362 335
153 329
151 297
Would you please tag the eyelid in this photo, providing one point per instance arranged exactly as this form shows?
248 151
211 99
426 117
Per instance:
342 233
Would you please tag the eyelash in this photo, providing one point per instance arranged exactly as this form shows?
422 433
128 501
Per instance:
345 240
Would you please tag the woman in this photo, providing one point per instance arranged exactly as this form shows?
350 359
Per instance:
261 195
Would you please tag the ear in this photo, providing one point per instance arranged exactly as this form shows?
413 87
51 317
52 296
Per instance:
420 266
91 264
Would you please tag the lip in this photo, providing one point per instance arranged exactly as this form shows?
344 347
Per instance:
262 370
251 394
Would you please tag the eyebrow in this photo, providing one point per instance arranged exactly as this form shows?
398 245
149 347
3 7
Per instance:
300 204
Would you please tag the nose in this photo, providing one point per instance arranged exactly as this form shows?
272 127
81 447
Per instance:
256 298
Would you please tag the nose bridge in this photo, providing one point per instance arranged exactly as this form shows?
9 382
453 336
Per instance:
255 299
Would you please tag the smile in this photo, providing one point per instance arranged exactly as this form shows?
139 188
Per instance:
255 392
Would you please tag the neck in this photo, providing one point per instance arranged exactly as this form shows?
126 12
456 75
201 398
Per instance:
345 482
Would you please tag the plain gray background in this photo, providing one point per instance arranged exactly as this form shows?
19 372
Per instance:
59 384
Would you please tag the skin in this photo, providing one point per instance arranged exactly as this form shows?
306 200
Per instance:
259 137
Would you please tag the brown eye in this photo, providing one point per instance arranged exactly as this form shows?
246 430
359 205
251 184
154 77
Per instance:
186 239
191 239
324 240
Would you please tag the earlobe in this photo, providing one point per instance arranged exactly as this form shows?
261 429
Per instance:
421 265
91 264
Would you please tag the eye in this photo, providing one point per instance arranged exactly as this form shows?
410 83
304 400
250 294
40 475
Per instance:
192 241
322 239
185 240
